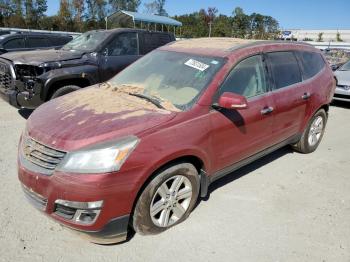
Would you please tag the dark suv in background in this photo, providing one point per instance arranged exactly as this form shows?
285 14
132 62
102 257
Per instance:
28 79
14 42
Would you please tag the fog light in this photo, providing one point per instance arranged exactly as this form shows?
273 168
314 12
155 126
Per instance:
86 216
80 212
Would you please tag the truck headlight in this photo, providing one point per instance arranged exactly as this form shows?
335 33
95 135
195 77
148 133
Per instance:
103 158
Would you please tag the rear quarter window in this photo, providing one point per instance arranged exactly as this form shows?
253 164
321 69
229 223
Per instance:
285 69
312 63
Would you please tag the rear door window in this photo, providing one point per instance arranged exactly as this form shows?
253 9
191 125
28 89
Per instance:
155 40
285 69
36 42
312 63
14 43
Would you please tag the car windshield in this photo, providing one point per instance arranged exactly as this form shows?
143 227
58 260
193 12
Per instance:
87 42
170 77
345 67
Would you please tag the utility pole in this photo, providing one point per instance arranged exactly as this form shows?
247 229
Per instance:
210 23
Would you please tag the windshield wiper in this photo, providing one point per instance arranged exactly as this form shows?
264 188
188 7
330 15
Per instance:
151 99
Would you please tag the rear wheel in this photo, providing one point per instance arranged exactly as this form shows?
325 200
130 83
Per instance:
64 90
313 134
167 200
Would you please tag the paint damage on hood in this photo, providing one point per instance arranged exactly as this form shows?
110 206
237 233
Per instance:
42 56
93 115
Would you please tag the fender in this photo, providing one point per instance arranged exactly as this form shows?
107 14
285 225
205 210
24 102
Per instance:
170 158
87 72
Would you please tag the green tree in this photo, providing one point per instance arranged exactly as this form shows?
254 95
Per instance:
240 24
320 37
78 10
156 7
95 14
65 15
222 26
339 38
208 16
128 5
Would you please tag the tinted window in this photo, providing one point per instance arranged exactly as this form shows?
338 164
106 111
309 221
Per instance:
155 40
312 63
58 41
123 44
247 78
14 43
285 69
34 42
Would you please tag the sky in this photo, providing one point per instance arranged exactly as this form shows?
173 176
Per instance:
291 14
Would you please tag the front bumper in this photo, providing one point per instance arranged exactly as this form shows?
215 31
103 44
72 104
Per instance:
10 96
111 225
18 97
341 94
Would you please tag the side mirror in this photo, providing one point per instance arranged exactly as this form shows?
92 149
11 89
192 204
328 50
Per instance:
232 101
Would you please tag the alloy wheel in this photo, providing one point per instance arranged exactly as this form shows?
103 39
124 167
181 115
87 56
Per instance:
171 201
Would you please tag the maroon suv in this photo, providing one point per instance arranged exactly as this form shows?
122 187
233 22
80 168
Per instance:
140 149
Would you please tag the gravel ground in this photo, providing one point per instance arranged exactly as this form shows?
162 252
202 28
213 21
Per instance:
284 207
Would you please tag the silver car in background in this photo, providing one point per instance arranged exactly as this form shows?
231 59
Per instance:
342 92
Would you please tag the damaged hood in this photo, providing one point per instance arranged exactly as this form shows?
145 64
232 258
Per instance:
42 56
92 115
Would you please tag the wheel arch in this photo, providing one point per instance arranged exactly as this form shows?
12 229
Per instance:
196 161
55 85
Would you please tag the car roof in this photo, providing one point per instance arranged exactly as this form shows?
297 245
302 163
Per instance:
223 46
115 30
17 34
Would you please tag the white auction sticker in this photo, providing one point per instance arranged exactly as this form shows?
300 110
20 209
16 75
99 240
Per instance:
196 64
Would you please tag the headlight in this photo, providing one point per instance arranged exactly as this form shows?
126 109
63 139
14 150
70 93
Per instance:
50 66
104 158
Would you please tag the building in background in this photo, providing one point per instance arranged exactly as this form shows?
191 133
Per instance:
314 35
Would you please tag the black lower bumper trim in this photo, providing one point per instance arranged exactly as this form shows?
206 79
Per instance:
10 96
114 231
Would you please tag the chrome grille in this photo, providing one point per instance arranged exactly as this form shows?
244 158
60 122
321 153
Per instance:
41 155
37 200
5 76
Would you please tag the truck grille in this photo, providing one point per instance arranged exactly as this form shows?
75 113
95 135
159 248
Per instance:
5 76
41 155
37 200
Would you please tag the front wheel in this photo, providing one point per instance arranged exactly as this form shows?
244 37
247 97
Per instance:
64 90
167 200
313 134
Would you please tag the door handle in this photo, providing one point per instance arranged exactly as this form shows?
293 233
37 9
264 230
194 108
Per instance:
267 110
306 96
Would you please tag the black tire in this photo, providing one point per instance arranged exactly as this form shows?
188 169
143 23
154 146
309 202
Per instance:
64 90
142 220
304 146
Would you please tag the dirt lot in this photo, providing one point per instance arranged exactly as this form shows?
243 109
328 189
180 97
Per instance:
284 207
